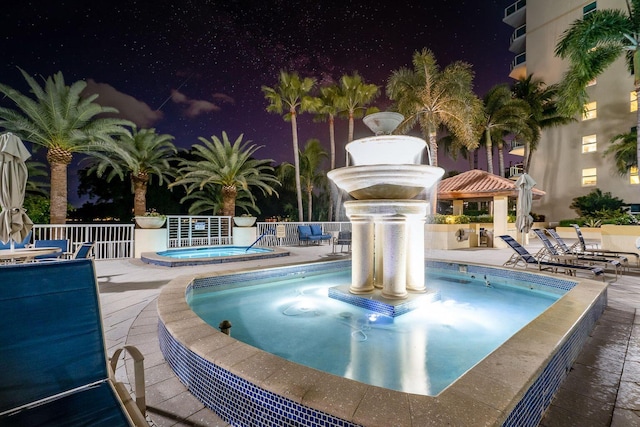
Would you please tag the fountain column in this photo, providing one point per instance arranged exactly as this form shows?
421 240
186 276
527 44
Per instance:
394 256
362 231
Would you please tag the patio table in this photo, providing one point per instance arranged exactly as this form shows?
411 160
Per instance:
25 254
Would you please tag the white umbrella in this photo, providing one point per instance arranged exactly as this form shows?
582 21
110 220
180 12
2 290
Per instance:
15 225
524 220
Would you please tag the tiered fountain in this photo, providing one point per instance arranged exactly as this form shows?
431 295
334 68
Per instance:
387 220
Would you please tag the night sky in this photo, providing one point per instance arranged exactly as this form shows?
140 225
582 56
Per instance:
195 68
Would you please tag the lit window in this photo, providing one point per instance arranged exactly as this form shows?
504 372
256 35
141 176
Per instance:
592 82
589 8
633 101
589 144
589 111
589 178
633 175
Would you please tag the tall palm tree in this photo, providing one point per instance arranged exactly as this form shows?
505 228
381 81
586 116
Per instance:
141 154
355 97
64 122
330 107
543 112
289 97
228 165
501 114
435 98
623 150
209 200
592 44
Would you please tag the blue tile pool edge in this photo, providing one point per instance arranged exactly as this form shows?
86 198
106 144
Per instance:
240 402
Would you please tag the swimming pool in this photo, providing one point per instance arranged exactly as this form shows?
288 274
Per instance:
421 351
210 255
511 386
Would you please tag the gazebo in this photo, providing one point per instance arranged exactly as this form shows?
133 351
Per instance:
477 185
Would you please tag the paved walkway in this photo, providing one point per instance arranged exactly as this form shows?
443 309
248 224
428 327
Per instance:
602 388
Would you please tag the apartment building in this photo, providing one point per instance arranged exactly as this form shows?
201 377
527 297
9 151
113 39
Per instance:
569 161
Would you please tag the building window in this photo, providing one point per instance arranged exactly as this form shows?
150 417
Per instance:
589 178
589 144
592 82
589 8
590 111
633 101
633 175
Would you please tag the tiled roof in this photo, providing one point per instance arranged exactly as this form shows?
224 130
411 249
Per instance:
476 184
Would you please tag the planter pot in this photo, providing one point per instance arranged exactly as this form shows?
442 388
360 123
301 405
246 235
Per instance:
244 221
150 221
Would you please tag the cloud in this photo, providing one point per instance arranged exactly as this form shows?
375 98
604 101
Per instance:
128 107
196 107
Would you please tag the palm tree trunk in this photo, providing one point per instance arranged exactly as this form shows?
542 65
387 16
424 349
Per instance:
139 196
58 197
487 143
433 145
310 204
229 194
332 141
501 158
296 162
526 160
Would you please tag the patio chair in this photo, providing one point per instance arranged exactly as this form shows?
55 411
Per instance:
524 258
85 250
17 245
63 244
312 234
550 251
602 252
343 238
55 371
566 249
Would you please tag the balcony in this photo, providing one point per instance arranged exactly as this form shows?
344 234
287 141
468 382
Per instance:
519 66
517 148
515 172
515 14
517 44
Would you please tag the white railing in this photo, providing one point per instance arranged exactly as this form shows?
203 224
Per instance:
112 241
188 231
286 233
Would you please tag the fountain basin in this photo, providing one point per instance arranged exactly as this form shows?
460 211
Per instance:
386 149
385 181
384 122
511 386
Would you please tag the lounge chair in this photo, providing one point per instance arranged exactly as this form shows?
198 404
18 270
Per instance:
84 251
312 234
343 239
63 244
551 252
566 249
523 258
17 245
600 251
55 370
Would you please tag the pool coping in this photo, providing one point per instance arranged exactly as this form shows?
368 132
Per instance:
487 394
155 259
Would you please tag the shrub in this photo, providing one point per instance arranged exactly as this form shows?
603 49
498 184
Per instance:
592 203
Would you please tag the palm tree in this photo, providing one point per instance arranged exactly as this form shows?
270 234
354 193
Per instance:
141 154
330 107
543 112
592 44
64 122
435 98
311 174
290 96
501 114
209 199
228 165
623 150
355 97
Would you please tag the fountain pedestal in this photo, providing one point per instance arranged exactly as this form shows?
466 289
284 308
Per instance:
388 246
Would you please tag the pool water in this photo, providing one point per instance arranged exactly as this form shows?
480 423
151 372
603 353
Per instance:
212 252
420 352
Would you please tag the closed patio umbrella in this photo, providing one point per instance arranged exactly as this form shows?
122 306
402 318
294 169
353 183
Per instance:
524 220
15 225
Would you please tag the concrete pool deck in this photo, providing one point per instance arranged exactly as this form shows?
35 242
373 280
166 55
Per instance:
601 390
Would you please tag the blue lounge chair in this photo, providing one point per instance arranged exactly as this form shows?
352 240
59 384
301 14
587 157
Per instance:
600 251
566 249
523 258
551 252
17 245
63 244
84 251
55 371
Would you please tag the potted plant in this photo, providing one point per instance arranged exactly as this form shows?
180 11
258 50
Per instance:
245 220
151 219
